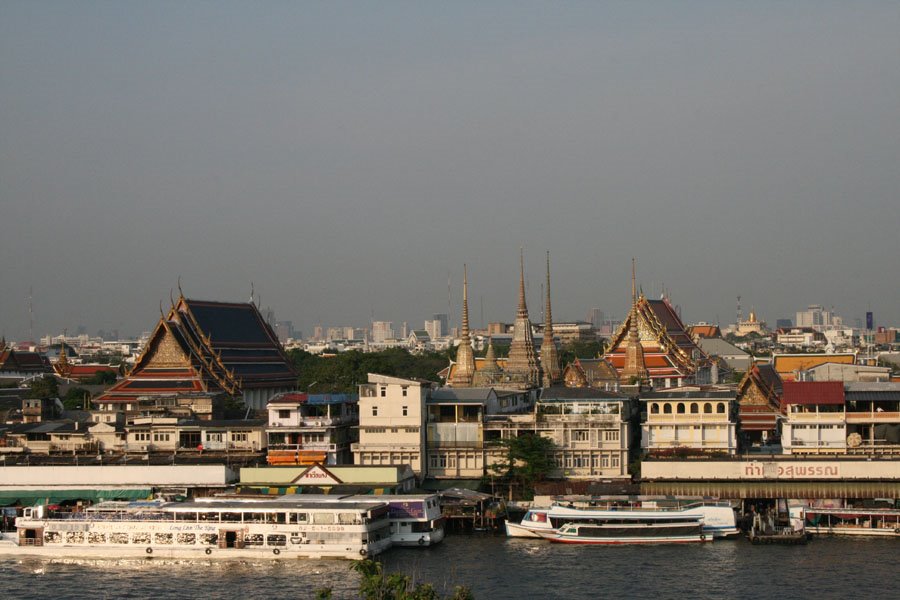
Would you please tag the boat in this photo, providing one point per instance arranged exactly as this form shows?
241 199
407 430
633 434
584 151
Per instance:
853 521
624 527
416 519
224 529
717 517
775 528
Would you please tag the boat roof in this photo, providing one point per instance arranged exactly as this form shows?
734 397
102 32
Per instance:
242 506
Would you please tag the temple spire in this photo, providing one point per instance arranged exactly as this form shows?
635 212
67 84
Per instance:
522 367
635 368
523 308
464 370
549 355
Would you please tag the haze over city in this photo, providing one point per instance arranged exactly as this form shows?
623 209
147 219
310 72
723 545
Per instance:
348 158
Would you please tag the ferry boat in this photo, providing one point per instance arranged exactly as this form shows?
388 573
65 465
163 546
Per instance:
630 528
223 529
416 519
717 518
853 521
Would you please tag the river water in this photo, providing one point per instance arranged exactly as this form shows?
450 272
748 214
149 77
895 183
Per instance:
496 567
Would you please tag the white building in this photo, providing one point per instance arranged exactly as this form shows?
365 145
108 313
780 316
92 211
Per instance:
696 419
382 331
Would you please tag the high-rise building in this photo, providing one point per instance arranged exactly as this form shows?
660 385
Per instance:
595 317
381 331
444 321
318 333
284 330
816 317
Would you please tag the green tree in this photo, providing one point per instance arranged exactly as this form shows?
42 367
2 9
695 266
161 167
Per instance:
529 460
44 387
102 378
376 585
580 349
75 397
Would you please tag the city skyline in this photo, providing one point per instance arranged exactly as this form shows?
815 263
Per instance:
350 161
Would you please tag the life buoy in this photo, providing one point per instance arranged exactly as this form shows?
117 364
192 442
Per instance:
702 537
422 541
208 551
363 552
897 531
276 551
149 550
754 539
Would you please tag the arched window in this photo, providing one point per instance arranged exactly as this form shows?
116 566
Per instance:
707 408
695 408
681 408
720 408
667 408
654 408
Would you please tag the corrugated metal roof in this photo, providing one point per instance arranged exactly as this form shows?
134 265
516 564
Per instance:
813 392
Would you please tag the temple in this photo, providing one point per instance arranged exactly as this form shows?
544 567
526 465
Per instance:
652 345
465 357
522 368
549 353
203 348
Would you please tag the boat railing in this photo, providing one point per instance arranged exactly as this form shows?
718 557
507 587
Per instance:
625 508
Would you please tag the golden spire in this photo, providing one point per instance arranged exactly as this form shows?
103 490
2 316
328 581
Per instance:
523 308
549 356
464 372
465 306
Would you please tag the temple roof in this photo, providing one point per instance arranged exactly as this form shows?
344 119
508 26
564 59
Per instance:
205 346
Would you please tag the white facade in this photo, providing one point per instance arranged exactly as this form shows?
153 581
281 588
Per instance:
698 423
391 422
815 429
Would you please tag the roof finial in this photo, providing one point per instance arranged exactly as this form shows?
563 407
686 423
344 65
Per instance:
549 313
171 298
465 306
523 308
251 292
180 292
161 313
633 288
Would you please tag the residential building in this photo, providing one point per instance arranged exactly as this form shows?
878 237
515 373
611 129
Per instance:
382 331
818 318
391 422
790 366
700 419
816 421
304 429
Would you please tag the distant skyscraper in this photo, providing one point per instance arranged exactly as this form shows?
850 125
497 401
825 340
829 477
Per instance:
382 330
445 324
404 330
433 328
318 333
784 323
284 330
595 317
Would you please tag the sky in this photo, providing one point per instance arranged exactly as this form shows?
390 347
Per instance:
349 157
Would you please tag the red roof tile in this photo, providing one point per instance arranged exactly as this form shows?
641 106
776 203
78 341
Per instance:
813 392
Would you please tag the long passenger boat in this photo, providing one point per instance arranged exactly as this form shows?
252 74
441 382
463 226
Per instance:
225 529
630 528
718 520
853 521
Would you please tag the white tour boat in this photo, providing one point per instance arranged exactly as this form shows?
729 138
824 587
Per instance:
224 529
717 517
630 528
853 521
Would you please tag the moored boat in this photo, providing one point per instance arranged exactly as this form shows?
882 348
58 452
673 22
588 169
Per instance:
625 528
227 529
853 521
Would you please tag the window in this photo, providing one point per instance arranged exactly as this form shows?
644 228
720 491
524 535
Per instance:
680 408
284 413
654 408
238 436
383 391
667 408
580 435
404 389
405 409
615 460
707 408
611 436
720 408
695 408
375 410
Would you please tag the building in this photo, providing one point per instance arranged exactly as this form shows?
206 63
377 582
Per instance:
652 345
699 419
816 421
591 431
208 347
17 365
799 337
382 331
790 366
305 429
591 372
759 406
391 422
845 372
816 317
552 373
734 358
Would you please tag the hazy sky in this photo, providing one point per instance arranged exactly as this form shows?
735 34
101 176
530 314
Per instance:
347 157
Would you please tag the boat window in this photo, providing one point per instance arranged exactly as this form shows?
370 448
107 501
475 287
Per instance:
231 517
162 538
298 518
680 408
118 538
695 408
323 518
254 517
707 408
276 539
186 539
348 518
185 516
253 539
96 538
140 538
209 539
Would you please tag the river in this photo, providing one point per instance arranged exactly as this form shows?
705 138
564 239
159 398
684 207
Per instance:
495 568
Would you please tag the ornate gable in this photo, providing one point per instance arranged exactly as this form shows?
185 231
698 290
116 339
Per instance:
168 353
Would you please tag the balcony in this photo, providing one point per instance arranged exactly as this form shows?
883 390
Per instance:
873 417
690 418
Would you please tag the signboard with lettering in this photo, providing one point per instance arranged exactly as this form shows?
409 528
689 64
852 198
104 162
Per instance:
317 475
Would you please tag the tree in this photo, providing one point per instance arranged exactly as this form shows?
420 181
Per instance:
529 460
102 378
375 585
44 387
75 398
580 349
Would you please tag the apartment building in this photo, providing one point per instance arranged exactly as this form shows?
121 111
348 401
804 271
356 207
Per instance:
698 418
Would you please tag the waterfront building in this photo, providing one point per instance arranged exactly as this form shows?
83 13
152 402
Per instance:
304 429
699 419
591 431
207 347
591 372
455 428
653 340
391 422
815 420
333 479
759 406
168 434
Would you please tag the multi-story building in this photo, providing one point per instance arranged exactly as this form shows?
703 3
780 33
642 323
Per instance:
817 317
591 431
382 331
816 421
698 419
305 429
391 422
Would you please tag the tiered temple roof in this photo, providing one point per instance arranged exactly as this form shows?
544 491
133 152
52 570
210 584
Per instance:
668 351
213 347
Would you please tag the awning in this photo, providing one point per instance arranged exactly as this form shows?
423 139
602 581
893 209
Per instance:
55 496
